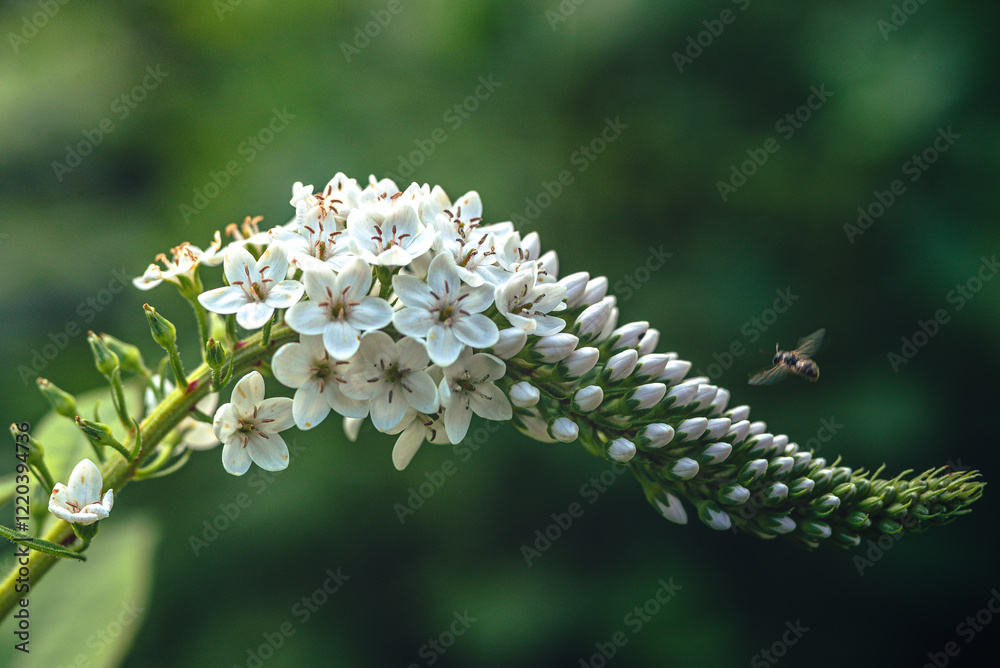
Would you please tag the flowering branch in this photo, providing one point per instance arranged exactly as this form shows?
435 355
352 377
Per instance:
405 308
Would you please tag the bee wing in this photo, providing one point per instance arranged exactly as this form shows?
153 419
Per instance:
810 344
769 376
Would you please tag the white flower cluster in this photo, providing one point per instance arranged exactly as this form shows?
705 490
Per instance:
394 294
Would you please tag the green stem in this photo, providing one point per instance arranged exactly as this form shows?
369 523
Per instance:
157 425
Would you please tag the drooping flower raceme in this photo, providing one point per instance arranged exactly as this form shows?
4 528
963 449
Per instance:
80 501
248 427
420 314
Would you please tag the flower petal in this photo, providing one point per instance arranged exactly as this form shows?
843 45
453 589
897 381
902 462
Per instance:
476 330
443 346
270 453
223 300
457 418
284 294
413 321
292 365
489 401
407 444
371 313
274 415
254 315
388 406
421 391
235 458
248 393
310 406
226 422
307 317
237 263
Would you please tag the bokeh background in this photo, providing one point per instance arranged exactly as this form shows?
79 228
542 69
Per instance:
385 103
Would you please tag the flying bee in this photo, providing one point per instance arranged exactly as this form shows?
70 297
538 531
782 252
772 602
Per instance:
796 361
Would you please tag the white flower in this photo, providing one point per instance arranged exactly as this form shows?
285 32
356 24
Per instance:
444 310
249 427
197 435
186 260
526 303
421 428
393 376
80 501
255 288
339 308
386 233
306 367
467 388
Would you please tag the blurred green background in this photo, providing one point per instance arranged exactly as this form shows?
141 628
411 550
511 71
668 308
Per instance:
693 88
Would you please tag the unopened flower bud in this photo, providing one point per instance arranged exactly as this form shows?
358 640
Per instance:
674 371
734 495
816 529
650 367
554 347
647 344
524 394
713 516
129 355
646 396
621 450
164 332
751 471
738 414
575 284
612 323
510 343
580 361
780 524
680 395
627 336
620 366
704 397
655 435
760 446
720 402
716 453
684 468
757 428
671 508
780 466
564 430
780 443
739 431
775 494
592 320
98 432
595 291
215 355
717 427
824 505
62 402
801 487
588 398
692 429
105 360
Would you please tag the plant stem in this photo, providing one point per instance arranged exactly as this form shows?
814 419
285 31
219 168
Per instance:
158 424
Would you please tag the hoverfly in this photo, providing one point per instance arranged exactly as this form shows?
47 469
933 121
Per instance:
797 361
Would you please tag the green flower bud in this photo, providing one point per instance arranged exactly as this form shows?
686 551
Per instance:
98 432
215 355
62 402
816 529
131 358
858 520
824 505
164 332
106 361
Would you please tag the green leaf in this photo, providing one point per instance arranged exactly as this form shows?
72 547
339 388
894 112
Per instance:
39 545
93 609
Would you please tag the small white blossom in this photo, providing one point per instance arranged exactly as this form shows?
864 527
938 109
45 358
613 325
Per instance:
467 388
186 260
421 428
444 310
249 427
339 308
306 367
256 287
385 233
526 302
393 376
80 501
